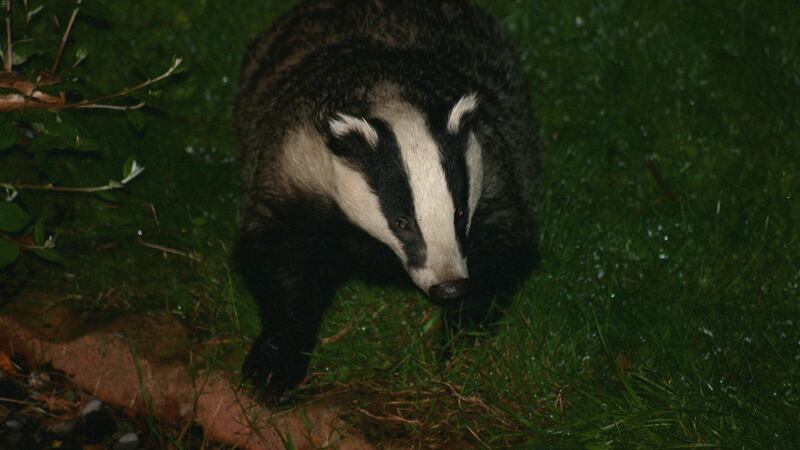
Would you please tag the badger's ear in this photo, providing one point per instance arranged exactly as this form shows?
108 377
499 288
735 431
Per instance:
350 131
462 113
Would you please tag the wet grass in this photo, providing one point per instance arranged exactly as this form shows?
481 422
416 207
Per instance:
664 312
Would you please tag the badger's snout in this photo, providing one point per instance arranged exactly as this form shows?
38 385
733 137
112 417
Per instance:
449 291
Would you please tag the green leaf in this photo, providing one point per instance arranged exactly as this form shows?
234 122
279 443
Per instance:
58 132
108 196
8 135
8 252
84 144
49 254
136 119
152 98
38 232
128 167
12 217
70 127
80 54
23 51
46 142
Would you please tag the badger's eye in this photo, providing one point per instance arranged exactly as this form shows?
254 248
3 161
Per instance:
401 223
460 213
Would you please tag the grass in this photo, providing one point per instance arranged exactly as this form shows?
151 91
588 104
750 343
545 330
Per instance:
664 312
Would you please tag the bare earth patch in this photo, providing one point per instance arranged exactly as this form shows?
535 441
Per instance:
139 363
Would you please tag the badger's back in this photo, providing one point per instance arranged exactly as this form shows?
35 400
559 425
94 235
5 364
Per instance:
453 32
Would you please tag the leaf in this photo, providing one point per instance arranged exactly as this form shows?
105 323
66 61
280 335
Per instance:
8 252
60 131
12 217
70 127
130 170
80 54
38 232
8 135
108 196
46 142
152 98
128 167
23 51
49 254
136 119
84 144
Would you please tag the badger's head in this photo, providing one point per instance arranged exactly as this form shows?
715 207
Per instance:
412 179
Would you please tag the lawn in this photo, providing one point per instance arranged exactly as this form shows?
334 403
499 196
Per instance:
665 309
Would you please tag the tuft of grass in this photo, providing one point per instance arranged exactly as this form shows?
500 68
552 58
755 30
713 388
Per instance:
664 312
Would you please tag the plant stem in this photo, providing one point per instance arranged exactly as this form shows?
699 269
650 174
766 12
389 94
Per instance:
94 101
65 37
9 45
139 105
50 187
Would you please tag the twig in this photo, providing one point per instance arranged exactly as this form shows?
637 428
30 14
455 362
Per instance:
9 46
65 37
124 92
136 170
191 255
114 107
51 187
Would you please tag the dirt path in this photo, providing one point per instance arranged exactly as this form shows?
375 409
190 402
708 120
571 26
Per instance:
134 363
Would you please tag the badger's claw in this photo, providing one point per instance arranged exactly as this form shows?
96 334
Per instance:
273 367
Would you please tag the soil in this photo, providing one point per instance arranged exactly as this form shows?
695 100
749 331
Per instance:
133 375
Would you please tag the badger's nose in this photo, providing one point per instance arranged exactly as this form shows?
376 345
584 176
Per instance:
449 291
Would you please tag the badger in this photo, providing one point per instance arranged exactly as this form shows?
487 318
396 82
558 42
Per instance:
384 140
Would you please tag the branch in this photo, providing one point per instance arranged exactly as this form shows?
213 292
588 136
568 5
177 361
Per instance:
65 37
28 96
12 189
114 107
50 187
191 255
9 46
94 101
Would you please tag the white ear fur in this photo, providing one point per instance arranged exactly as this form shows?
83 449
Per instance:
464 106
345 124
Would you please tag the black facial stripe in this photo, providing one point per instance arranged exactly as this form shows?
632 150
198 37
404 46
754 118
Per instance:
386 175
453 154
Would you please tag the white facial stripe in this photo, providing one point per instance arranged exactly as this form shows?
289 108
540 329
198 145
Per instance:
357 200
305 162
433 203
345 124
465 105
475 169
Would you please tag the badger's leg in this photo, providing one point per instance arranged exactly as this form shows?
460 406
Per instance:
292 279
502 253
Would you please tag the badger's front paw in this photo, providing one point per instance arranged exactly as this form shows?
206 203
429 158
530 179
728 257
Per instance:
274 366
